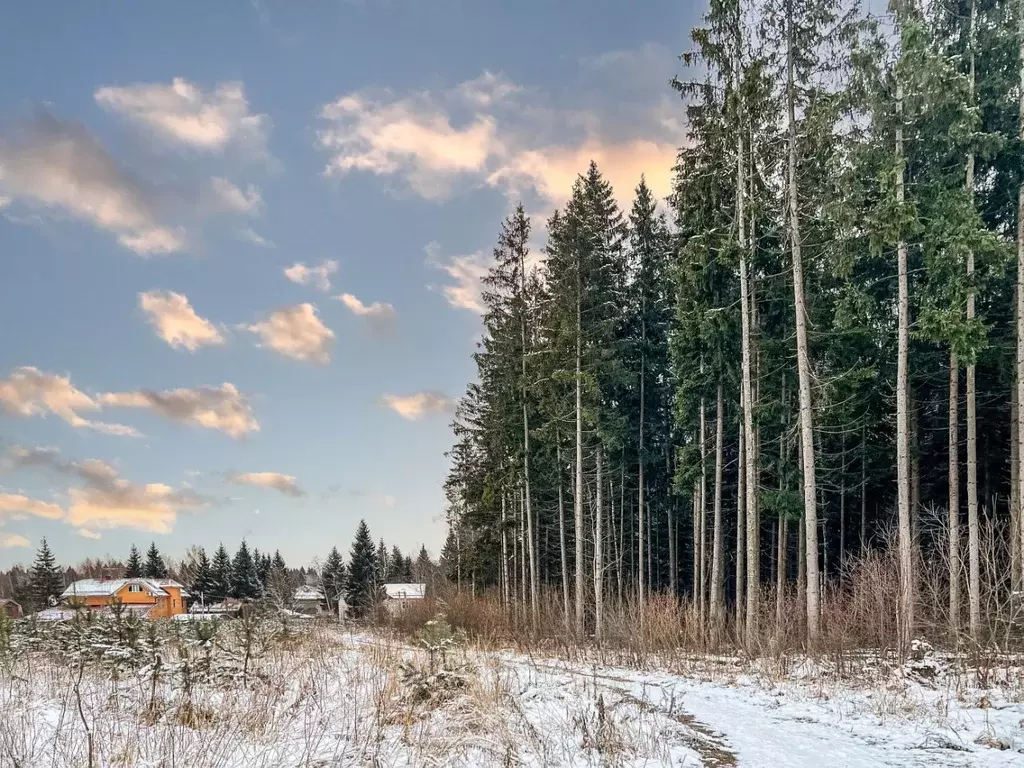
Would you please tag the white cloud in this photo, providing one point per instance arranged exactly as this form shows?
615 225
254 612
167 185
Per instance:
31 392
415 406
12 540
487 90
379 316
524 142
284 483
17 505
551 171
104 500
229 198
251 236
318 276
412 136
174 321
296 332
357 307
59 165
182 113
466 273
221 408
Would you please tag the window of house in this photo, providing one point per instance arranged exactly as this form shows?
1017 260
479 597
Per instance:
134 588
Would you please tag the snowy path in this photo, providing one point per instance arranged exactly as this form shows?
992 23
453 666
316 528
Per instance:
751 728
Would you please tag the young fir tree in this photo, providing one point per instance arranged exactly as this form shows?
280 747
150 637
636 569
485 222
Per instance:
396 566
245 578
278 562
362 587
155 567
333 577
133 568
46 582
204 585
220 576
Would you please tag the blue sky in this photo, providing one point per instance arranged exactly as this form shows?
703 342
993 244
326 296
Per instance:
241 245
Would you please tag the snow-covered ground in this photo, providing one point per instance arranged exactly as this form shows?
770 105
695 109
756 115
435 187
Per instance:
330 698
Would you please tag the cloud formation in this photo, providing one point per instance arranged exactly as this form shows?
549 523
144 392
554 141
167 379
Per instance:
181 113
379 316
466 274
284 483
296 332
31 392
18 505
104 499
60 165
221 408
415 406
229 198
492 132
174 321
318 276
411 135
12 540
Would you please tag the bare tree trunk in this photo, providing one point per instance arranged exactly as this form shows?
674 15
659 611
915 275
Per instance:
702 553
578 495
801 564
863 489
531 543
782 535
523 551
953 509
842 507
741 529
802 354
505 592
781 541
561 532
1015 516
599 549
1020 293
673 555
717 564
973 529
753 527
641 597
906 559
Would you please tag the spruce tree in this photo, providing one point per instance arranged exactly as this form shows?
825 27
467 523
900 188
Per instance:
220 576
133 568
155 568
333 576
46 582
278 562
245 578
204 584
363 585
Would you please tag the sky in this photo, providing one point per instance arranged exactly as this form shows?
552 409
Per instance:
241 245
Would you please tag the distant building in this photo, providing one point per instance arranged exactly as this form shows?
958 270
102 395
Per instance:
308 599
11 608
228 608
146 598
400 596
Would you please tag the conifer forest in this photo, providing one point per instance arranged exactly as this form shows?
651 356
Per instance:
802 368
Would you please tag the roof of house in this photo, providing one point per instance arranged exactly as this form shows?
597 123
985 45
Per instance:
405 591
172 583
110 587
308 593
9 601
